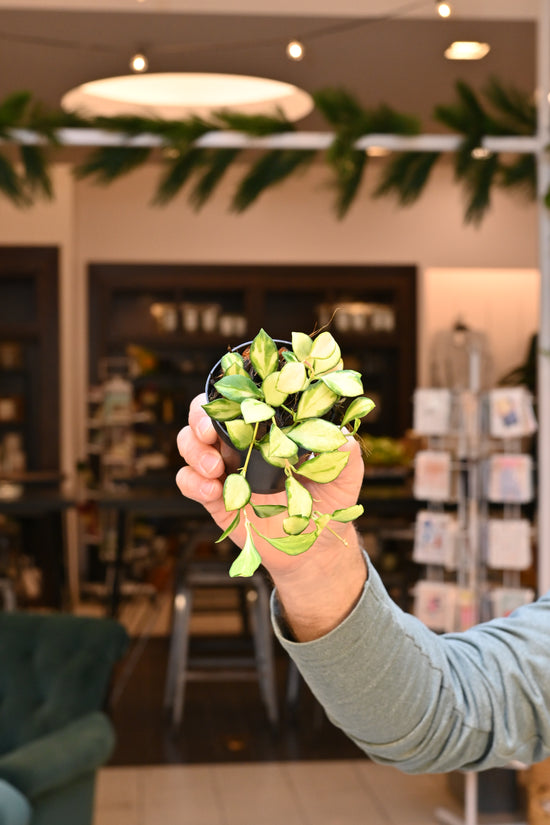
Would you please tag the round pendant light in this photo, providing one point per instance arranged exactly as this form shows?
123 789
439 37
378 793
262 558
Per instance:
180 95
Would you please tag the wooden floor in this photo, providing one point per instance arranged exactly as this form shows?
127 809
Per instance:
222 721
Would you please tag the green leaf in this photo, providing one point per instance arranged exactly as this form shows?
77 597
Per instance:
272 395
289 356
318 435
348 513
292 378
324 467
240 433
231 359
315 401
230 528
264 354
276 461
358 408
268 510
237 387
344 382
293 545
325 354
301 345
236 492
108 163
280 445
248 560
221 409
254 410
300 502
271 168
294 525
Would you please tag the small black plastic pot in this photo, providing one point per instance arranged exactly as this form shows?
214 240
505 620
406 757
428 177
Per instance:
262 477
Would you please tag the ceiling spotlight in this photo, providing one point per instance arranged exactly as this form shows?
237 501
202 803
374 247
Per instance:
443 9
378 151
480 153
467 50
295 50
139 62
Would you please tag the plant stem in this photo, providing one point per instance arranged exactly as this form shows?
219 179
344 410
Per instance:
250 448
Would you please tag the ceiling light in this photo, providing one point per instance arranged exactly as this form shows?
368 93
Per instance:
443 9
467 50
377 151
176 96
139 62
295 50
481 153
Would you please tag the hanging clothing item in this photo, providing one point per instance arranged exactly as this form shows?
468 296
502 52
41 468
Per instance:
460 358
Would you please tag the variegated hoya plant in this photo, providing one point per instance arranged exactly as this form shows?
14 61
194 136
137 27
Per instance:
296 406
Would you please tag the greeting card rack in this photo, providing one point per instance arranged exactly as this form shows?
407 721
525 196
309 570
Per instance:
472 534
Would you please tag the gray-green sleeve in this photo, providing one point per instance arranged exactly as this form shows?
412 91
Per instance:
426 702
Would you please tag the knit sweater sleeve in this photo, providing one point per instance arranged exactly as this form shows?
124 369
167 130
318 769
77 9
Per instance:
426 702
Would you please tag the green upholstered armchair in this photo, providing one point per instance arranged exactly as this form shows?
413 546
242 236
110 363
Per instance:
55 671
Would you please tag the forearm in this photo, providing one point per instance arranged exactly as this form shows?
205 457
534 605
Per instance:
428 703
318 594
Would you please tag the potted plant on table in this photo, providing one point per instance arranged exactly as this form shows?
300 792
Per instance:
290 405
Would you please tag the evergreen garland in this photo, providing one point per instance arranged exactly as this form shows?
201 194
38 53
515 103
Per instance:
500 111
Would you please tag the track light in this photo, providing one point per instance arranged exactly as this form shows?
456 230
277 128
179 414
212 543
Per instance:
139 62
443 8
295 50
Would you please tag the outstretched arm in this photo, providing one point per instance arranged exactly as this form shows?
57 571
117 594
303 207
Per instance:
406 696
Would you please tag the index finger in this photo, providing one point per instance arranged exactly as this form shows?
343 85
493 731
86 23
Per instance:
200 421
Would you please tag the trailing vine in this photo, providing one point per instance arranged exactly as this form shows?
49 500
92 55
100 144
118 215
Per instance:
499 111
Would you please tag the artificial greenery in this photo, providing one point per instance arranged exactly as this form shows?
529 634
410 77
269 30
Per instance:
293 405
498 111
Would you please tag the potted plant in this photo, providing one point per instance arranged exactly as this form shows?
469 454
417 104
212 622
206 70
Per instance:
290 405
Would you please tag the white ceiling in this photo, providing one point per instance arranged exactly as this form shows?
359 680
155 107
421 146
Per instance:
49 47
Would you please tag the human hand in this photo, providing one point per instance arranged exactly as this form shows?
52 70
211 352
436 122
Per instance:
318 587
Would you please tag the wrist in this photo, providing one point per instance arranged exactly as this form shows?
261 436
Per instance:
321 589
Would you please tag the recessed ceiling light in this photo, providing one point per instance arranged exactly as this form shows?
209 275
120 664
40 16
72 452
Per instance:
467 50
443 9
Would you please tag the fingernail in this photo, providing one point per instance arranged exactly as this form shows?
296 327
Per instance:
207 489
209 462
204 426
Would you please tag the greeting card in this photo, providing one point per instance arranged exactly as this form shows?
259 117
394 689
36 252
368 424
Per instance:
435 604
509 544
511 413
432 411
510 478
506 599
432 475
434 539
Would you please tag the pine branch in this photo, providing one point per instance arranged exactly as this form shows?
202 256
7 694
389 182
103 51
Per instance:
218 163
11 185
178 173
519 112
254 125
108 163
479 182
37 180
273 167
406 175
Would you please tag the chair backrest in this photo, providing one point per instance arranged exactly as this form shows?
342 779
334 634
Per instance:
54 668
